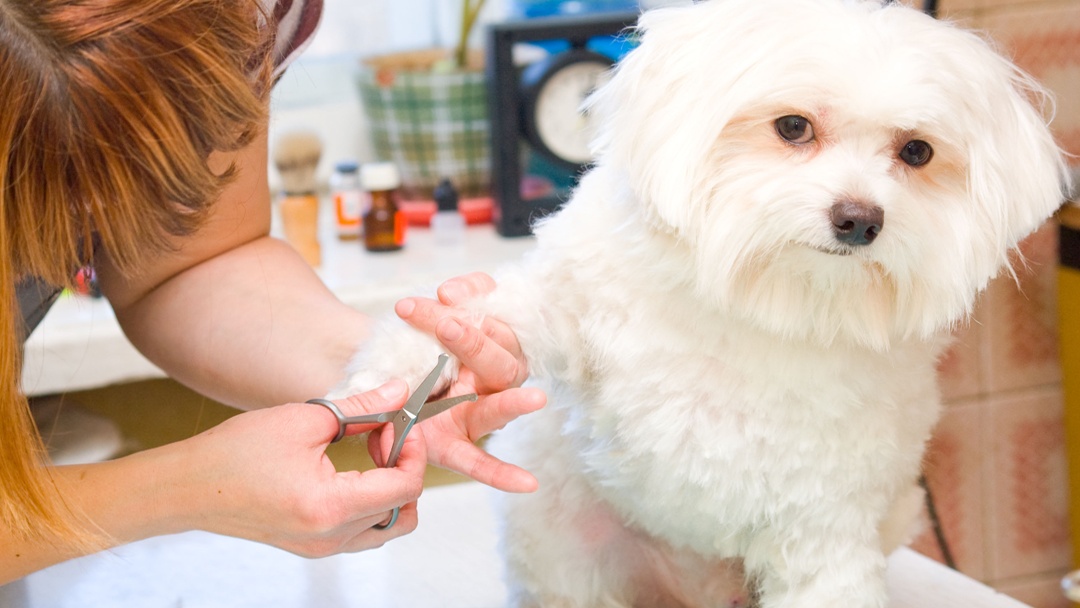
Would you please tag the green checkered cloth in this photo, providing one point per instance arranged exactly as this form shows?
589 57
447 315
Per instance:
431 125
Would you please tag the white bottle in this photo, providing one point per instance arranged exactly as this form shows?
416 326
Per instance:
448 225
348 200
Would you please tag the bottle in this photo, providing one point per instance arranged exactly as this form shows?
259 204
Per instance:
384 225
348 199
447 224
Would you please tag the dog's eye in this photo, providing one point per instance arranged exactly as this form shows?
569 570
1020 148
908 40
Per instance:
916 153
796 129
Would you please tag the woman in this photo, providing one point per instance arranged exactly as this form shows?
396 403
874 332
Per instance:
133 137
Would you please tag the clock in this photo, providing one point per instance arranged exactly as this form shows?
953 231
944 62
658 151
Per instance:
553 92
539 137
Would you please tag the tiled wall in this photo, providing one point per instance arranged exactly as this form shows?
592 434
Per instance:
997 461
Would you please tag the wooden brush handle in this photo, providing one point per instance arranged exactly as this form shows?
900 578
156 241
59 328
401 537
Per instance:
300 218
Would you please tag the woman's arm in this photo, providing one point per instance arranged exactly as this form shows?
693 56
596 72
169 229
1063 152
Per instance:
234 313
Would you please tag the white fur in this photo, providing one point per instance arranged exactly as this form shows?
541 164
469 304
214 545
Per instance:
726 397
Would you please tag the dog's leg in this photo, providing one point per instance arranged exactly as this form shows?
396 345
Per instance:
565 547
557 541
395 350
902 523
830 570
829 565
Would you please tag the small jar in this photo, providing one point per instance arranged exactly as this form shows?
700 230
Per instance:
348 199
384 224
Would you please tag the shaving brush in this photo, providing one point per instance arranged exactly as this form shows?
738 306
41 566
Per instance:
296 157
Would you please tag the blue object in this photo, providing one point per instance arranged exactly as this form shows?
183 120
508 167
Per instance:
528 9
612 46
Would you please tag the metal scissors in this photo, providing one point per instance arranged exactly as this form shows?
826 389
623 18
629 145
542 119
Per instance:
416 409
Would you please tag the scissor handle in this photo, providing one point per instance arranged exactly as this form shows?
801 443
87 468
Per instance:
342 420
403 420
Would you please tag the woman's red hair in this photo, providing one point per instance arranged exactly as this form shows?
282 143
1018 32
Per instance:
110 109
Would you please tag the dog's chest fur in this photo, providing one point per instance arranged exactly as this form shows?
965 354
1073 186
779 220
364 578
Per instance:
692 426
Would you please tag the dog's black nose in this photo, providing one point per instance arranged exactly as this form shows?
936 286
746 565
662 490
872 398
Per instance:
856 223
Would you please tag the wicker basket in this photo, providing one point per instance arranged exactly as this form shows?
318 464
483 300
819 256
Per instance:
431 122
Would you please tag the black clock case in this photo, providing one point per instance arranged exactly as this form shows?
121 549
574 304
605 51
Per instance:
513 215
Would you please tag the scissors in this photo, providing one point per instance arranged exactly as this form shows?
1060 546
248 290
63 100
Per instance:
416 409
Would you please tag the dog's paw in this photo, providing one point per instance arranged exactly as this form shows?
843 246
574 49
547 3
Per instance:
394 350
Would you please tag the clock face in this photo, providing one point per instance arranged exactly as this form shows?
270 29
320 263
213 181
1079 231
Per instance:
539 137
560 124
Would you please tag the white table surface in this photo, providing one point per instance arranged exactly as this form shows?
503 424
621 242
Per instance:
79 344
450 561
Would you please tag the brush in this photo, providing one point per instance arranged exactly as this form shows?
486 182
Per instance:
296 156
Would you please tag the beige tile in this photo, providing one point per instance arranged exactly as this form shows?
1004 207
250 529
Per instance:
960 368
1044 39
946 7
1027 494
1039 592
954 472
1019 319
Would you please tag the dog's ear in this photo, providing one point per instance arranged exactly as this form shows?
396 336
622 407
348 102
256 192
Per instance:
655 121
1016 172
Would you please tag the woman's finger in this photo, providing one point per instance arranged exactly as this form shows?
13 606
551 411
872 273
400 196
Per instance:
476 420
364 536
458 290
496 411
503 336
425 313
470 460
495 367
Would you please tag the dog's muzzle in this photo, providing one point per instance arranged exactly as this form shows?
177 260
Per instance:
856 223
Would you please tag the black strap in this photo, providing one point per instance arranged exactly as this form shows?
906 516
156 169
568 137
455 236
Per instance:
1070 246
35 297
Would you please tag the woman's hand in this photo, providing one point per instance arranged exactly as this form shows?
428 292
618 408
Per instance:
265 476
492 365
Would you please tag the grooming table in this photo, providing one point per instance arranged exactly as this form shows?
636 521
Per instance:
450 561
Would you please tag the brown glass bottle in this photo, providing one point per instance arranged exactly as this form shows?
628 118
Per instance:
384 225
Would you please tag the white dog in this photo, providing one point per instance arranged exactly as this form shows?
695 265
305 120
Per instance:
737 316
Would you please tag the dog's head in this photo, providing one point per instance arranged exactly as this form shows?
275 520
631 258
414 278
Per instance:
841 170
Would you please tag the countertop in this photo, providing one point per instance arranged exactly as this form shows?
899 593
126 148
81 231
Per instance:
450 561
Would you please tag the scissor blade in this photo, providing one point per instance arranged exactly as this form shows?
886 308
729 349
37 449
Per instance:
434 408
406 417
420 396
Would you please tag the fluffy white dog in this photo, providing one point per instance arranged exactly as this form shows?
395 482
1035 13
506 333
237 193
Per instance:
737 316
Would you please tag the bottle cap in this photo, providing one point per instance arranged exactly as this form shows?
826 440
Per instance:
446 197
379 176
347 166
